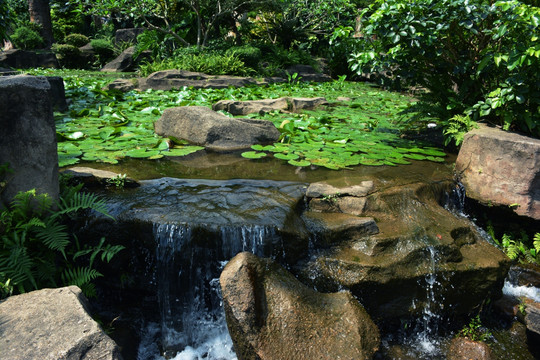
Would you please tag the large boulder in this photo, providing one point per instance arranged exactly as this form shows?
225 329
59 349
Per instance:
127 35
202 126
501 168
52 324
125 61
271 315
28 141
406 268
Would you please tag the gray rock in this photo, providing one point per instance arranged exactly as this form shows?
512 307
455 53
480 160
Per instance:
307 73
127 35
267 105
123 62
52 324
23 59
200 125
298 104
249 107
271 315
123 85
28 141
177 79
501 168
57 93
465 349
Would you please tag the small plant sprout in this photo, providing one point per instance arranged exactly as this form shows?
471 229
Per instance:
119 181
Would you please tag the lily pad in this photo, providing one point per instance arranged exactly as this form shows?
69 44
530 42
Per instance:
253 155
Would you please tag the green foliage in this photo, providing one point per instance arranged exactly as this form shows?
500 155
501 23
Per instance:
250 55
473 57
104 50
26 38
69 56
119 181
36 249
5 20
522 250
67 18
76 40
208 63
475 331
456 127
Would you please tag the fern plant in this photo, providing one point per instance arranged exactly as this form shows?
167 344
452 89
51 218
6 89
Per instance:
519 250
36 249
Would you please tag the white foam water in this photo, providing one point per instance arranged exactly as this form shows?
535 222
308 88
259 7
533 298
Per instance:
529 292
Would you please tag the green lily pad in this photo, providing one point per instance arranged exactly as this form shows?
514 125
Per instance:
141 153
302 163
253 155
289 156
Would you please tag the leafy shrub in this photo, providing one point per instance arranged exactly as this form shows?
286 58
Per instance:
208 63
104 49
36 249
69 56
76 40
27 39
522 249
250 55
475 58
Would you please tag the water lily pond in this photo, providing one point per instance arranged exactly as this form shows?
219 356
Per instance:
359 127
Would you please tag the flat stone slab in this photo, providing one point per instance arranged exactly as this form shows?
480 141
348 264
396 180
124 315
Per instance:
267 105
501 168
352 200
52 324
96 177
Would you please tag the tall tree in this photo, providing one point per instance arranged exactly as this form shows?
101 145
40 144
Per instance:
40 13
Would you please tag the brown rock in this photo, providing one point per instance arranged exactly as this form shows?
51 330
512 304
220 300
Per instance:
501 168
249 107
52 324
334 227
465 349
271 315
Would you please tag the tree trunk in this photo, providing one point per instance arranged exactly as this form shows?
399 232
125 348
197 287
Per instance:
40 13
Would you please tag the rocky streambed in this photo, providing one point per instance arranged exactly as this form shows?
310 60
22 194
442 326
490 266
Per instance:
391 243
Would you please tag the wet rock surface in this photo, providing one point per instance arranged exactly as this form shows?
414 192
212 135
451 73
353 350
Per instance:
391 272
268 105
465 349
177 79
52 324
501 168
271 315
203 126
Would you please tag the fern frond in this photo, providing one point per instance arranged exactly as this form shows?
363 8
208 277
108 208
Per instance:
54 236
79 276
15 262
536 242
82 201
89 290
110 251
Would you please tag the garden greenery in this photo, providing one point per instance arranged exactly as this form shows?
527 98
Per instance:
36 248
474 58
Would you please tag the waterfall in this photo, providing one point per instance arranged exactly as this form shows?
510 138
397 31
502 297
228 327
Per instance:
189 262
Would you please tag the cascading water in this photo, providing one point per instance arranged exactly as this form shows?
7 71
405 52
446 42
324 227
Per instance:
425 338
190 260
